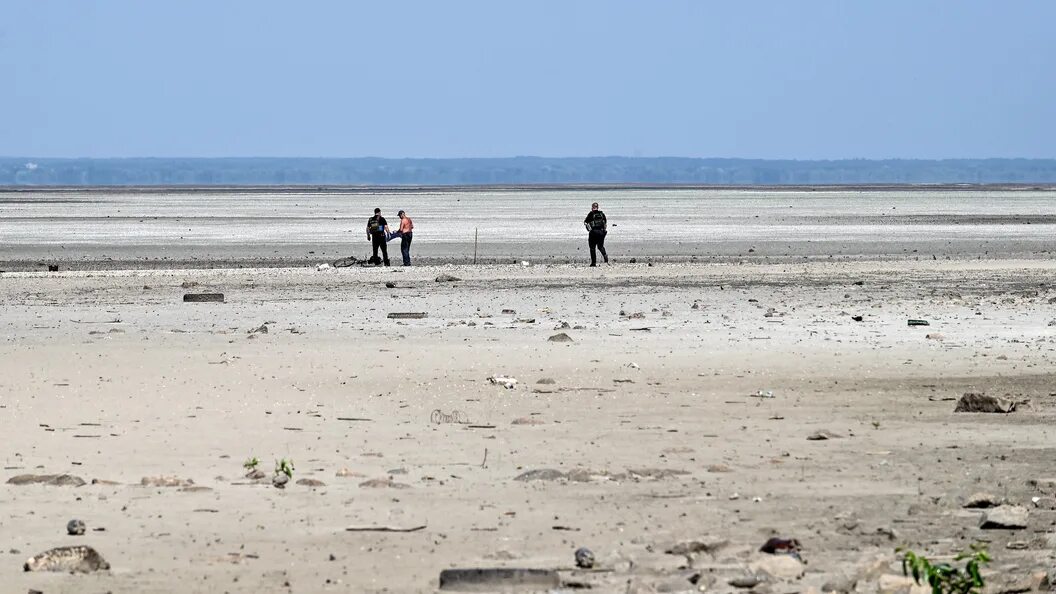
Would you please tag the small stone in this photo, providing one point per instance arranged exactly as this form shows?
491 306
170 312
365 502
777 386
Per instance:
447 278
347 472
981 501
310 482
542 474
1005 517
546 380
75 528
584 558
745 581
51 480
823 435
719 468
279 480
256 474
782 567
383 483
560 337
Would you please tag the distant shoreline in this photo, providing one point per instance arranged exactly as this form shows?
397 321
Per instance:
412 189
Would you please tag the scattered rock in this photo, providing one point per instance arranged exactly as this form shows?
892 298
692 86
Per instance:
1046 503
383 483
96 481
346 472
781 546
719 468
546 380
981 501
823 435
279 480
262 329
310 482
256 474
188 284
165 481
390 285
935 336
980 402
447 278
542 474
584 558
203 298
745 581
78 559
782 567
560 337
1047 485
52 480
1005 517
75 528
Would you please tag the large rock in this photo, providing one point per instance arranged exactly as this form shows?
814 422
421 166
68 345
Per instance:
79 559
781 567
1005 517
982 501
979 402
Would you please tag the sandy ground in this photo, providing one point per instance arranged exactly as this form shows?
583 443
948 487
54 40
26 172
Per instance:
110 376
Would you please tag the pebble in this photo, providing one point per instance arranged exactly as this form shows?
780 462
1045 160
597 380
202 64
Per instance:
75 528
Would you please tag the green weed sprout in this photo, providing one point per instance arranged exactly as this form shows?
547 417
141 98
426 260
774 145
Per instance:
944 578
284 466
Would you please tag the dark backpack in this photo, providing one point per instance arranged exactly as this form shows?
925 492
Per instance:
598 222
374 224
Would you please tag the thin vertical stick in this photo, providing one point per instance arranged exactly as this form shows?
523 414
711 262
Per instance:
476 231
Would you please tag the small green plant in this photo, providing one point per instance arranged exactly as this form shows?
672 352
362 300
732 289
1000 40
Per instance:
944 578
251 463
284 466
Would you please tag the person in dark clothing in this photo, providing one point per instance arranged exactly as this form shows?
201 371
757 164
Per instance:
377 229
597 227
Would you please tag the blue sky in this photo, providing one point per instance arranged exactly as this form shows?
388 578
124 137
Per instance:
754 79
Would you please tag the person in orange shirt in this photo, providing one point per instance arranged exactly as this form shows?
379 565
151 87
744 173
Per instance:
406 234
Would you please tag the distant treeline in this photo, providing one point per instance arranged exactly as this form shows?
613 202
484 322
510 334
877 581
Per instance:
516 171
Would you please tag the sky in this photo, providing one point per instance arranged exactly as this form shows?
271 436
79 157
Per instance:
425 78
